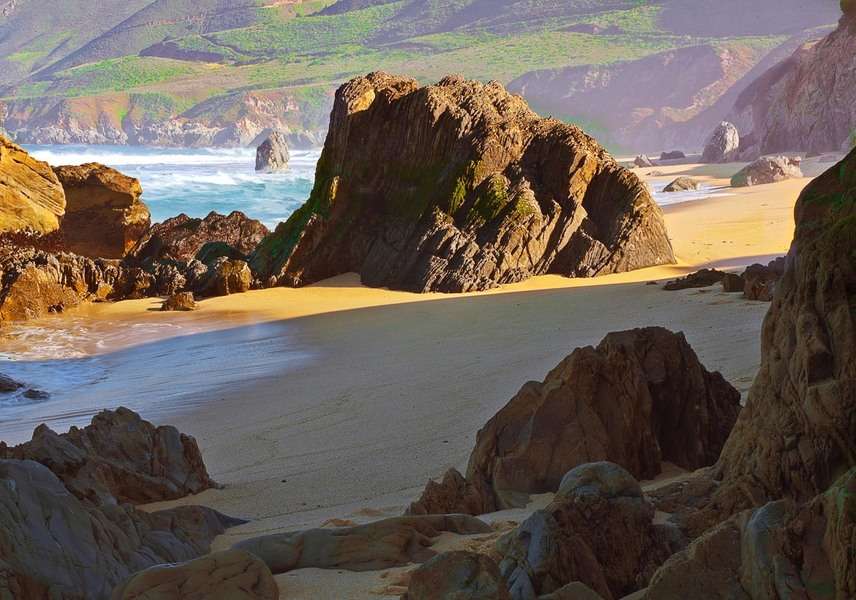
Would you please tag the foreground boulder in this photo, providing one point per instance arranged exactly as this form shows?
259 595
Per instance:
182 301
759 281
640 398
104 216
723 145
457 576
599 530
371 547
682 184
31 197
181 238
459 186
768 170
672 155
229 575
272 154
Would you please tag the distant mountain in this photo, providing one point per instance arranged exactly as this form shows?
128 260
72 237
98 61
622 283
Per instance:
224 72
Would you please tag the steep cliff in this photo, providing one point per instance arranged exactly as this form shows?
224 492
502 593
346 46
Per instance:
459 186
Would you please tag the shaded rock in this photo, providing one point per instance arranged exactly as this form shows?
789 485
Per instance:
104 216
457 187
8 385
732 282
673 155
229 575
598 530
56 545
699 279
457 576
768 170
682 184
182 301
31 197
760 280
573 591
723 145
639 398
374 546
119 457
33 394
228 277
181 238
272 154
643 161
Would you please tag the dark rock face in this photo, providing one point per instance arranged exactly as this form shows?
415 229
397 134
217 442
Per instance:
272 154
460 575
768 170
639 398
65 531
682 184
806 103
104 216
180 239
699 279
457 187
374 546
31 197
723 145
673 155
119 457
182 301
599 530
759 281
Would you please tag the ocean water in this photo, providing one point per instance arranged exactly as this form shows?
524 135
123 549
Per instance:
198 181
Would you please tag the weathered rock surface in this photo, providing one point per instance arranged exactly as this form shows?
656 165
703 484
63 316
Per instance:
599 530
682 184
641 397
459 186
228 277
573 591
457 576
672 155
272 155
780 550
723 145
768 170
65 532
104 216
807 102
228 575
31 197
643 161
119 457
181 238
759 281
375 546
697 279
182 301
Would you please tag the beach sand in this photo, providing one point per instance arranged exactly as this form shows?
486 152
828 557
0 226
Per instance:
394 386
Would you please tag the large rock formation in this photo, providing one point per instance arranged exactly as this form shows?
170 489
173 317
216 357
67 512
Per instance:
641 397
459 575
459 186
31 197
723 145
599 530
768 169
806 103
104 216
181 238
65 535
272 154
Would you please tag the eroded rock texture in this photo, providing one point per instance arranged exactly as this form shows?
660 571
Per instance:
31 197
459 186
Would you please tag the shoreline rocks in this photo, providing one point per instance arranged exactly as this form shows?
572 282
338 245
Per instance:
723 146
272 155
682 184
31 197
485 193
768 170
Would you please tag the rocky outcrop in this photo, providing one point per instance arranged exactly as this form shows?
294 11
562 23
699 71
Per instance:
643 161
806 103
672 155
759 281
182 301
119 457
459 186
768 170
228 277
181 238
31 197
641 397
65 530
460 575
374 546
723 145
228 575
272 155
599 530
104 216
697 279
682 184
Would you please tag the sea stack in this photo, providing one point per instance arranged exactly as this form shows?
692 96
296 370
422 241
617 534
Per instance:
459 186
723 145
272 155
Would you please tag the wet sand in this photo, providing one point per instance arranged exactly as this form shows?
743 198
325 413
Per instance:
341 401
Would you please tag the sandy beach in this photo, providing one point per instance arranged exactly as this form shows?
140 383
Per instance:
340 401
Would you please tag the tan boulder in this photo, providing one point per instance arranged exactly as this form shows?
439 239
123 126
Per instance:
104 216
31 197
182 301
228 575
457 576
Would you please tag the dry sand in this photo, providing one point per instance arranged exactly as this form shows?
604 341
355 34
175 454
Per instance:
393 386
